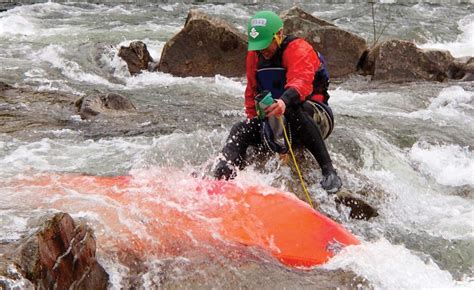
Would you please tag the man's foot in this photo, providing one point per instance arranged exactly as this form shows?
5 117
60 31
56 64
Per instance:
331 182
224 170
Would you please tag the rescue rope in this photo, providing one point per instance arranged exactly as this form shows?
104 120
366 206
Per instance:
296 164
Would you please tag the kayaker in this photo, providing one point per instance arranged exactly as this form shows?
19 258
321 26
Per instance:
297 79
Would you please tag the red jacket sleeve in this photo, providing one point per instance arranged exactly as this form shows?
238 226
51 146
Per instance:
251 89
301 62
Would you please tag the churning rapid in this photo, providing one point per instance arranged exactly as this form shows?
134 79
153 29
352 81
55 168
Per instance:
406 148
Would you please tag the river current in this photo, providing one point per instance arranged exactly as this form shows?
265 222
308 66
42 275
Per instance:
412 141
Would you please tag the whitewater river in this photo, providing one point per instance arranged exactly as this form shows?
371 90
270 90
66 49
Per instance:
410 145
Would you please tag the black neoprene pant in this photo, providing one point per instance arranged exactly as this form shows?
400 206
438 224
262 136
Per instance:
302 126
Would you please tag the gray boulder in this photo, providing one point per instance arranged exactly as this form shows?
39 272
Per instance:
108 104
206 46
340 48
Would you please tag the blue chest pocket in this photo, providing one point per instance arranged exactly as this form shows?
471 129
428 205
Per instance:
272 79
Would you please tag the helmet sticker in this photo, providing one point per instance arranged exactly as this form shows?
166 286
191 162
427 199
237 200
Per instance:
259 22
253 33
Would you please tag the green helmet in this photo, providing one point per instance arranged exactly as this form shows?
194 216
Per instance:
262 28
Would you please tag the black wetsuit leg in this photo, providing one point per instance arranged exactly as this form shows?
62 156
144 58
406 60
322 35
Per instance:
309 135
242 135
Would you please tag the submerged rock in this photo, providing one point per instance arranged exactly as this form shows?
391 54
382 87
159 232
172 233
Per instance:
206 46
108 104
359 209
60 255
341 49
29 114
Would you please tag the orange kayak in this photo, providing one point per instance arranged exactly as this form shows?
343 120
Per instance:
162 217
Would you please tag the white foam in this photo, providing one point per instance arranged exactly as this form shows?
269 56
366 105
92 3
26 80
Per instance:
342 96
170 7
229 9
219 83
18 25
464 44
453 97
53 54
12 226
229 86
412 200
449 164
362 104
119 9
449 105
389 266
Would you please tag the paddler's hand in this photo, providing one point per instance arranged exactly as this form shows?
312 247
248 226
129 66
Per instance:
276 109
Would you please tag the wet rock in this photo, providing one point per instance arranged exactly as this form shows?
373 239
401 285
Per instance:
341 49
25 109
461 69
360 209
60 255
11 278
4 86
366 64
108 104
442 57
402 61
28 114
137 57
206 46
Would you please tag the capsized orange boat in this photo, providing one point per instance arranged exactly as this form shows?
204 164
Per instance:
165 215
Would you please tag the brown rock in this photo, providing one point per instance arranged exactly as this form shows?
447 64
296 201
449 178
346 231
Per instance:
366 65
91 106
206 46
402 61
461 69
340 48
4 86
61 255
359 208
442 57
136 56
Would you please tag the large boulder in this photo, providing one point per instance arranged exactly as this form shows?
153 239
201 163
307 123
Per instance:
206 46
108 104
60 255
402 61
340 48
136 56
